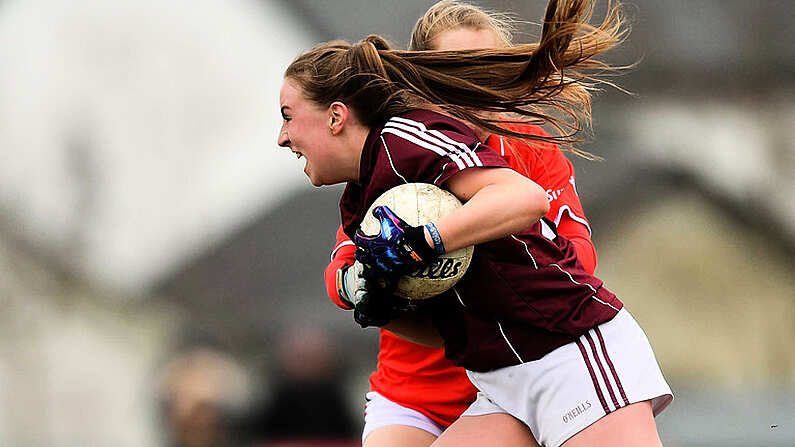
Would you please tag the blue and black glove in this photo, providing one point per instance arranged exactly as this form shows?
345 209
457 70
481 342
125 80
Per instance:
396 250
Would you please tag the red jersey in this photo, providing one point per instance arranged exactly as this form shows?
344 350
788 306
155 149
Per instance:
421 378
546 165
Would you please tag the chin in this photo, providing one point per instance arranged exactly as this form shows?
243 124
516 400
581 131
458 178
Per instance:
315 181
324 181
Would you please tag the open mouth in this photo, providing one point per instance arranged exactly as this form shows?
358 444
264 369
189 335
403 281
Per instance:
297 154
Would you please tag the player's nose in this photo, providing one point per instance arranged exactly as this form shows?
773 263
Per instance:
283 139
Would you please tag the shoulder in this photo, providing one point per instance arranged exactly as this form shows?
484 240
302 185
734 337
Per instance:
531 158
429 120
429 130
529 129
424 135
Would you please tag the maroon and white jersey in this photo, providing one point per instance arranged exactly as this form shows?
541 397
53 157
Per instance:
523 295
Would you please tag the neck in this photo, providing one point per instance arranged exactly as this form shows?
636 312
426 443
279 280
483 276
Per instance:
356 139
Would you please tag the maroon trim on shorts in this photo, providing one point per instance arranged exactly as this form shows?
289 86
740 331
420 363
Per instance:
593 376
602 370
610 364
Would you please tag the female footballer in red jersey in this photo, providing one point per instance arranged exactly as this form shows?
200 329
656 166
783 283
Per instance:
548 347
400 409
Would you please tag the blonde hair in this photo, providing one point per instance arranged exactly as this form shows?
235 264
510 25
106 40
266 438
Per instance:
447 14
547 82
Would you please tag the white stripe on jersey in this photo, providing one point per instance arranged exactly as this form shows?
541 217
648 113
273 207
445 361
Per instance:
574 217
605 303
421 143
389 156
527 249
444 137
587 285
426 136
342 244
459 297
465 150
504 337
421 127
571 278
547 231
436 180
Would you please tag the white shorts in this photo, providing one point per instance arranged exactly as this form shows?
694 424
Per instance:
380 412
575 385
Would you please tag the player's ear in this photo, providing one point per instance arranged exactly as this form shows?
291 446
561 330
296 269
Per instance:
338 116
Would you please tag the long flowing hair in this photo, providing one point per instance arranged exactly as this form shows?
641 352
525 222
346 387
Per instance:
451 14
549 82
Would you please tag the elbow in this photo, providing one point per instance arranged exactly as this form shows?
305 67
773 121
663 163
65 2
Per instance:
543 204
525 204
536 203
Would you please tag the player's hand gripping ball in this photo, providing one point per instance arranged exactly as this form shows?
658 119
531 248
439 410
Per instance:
374 307
391 243
396 249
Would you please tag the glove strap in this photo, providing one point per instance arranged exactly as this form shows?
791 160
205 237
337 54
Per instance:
438 245
422 251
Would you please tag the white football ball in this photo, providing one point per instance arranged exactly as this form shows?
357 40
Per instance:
418 204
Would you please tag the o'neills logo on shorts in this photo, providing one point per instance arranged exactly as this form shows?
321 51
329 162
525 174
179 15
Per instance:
576 411
441 268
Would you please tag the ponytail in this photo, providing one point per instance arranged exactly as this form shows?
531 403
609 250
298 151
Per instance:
544 83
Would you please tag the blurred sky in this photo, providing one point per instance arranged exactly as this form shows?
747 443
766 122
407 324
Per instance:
136 134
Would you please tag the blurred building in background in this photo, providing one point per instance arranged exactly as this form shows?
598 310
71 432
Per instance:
145 209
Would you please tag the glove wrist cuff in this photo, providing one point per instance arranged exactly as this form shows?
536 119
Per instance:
416 236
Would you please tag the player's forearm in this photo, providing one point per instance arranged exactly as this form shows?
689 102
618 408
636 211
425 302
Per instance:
496 210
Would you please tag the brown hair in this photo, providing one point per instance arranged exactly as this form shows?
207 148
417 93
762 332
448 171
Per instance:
548 82
447 14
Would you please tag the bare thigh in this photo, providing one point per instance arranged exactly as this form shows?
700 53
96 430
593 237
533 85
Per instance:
499 429
399 436
631 425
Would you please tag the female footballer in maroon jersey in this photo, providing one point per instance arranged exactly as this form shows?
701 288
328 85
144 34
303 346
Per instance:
400 411
543 341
